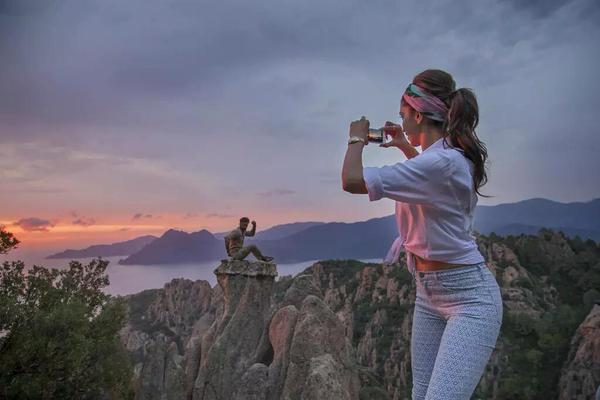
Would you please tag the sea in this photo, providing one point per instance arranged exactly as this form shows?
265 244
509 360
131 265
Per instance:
128 279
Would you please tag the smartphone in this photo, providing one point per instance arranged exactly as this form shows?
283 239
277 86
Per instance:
377 136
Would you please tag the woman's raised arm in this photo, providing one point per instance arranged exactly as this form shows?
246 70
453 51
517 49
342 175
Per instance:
352 170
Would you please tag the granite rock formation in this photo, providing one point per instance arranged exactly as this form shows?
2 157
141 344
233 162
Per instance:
233 342
164 333
581 373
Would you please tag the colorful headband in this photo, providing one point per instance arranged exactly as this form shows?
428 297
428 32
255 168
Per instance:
431 106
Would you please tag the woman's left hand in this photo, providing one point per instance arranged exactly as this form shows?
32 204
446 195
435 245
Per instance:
360 128
398 138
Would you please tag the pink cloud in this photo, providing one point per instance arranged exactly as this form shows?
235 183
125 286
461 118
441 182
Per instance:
81 220
139 216
84 221
34 224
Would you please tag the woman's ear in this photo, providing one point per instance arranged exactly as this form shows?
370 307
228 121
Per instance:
418 117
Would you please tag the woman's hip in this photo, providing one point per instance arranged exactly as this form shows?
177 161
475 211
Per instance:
470 290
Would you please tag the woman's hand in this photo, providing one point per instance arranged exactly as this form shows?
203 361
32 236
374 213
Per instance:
360 128
398 138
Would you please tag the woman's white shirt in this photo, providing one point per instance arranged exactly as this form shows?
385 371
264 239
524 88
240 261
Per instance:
435 203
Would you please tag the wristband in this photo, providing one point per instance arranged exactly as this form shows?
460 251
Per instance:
355 139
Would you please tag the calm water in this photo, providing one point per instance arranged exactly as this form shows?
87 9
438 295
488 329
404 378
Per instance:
126 279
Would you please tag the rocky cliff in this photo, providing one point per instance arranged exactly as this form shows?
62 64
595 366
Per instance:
189 341
341 329
164 336
581 373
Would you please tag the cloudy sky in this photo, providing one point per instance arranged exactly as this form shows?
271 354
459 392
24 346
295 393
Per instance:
120 118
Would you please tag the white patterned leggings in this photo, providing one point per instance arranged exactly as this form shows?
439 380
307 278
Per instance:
456 322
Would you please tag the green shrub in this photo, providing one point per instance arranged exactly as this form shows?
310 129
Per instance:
62 334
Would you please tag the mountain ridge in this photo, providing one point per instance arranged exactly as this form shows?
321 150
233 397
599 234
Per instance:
301 241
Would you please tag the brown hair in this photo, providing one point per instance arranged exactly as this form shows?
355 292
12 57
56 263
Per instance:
461 121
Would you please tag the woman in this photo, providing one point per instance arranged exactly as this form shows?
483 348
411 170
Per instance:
458 308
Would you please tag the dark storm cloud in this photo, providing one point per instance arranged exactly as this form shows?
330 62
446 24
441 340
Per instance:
542 8
20 8
75 62
109 63
105 63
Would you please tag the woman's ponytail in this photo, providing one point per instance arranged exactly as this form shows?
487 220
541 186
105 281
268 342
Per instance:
463 118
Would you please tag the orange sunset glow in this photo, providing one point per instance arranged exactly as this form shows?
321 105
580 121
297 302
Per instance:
73 233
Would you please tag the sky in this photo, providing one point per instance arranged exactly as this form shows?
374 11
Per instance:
120 118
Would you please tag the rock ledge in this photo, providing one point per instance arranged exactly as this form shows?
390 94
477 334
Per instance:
246 268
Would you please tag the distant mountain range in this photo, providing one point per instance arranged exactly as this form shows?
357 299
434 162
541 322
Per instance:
326 240
302 241
108 250
528 216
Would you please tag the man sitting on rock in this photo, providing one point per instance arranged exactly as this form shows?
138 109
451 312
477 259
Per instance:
234 242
